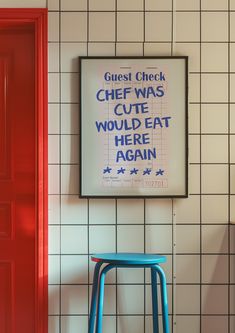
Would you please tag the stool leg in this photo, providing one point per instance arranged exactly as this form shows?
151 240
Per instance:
154 300
94 298
100 301
165 319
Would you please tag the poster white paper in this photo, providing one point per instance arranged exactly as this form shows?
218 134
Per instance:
133 122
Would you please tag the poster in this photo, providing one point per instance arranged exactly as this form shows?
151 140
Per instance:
133 127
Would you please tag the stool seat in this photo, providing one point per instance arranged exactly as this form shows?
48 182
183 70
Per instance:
128 258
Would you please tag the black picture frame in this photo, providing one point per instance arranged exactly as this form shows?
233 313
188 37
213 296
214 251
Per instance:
114 91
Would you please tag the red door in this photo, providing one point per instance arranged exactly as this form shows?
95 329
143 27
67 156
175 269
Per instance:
19 179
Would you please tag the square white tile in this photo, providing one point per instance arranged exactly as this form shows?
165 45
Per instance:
129 49
151 49
232 240
232 209
187 210
187 239
130 211
194 88
73 5
130 299
232 86
53 209
73 210
187 269
215 324
214 239
187 27
53 149
212 91
187 299
158 5
73 27
192 50
232 119
53 179
158 239
158 211
232 25
130 4
215 268
53 269
130 324
194 179
214 149
102 239
69 118
214 26
70 324
214 57
53 5
74 269
232 179
53 118
53 88
69 56
101 49
194 148
127 28
214 5
184 322
214 118
101 27
69 149
214 209
187 5
24 4
102 5
157 26
69 179
194 118
210 296
53 300
232 57
69 88
214 179
130 238
53 27
102 212
53 57
74 299
54 324
109 324
132 275
74 239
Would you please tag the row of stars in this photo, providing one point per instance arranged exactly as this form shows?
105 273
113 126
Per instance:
134 171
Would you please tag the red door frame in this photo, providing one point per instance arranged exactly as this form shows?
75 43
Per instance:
38 17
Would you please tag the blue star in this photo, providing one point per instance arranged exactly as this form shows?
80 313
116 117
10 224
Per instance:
147 171
134 171
107 170
159 172
121 170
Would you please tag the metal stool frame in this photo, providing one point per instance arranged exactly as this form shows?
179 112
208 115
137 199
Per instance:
97 300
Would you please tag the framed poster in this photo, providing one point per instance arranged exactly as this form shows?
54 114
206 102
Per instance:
133 127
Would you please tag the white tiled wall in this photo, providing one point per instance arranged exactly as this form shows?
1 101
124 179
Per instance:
204 263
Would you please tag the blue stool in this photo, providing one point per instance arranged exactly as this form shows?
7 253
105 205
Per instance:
124 260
